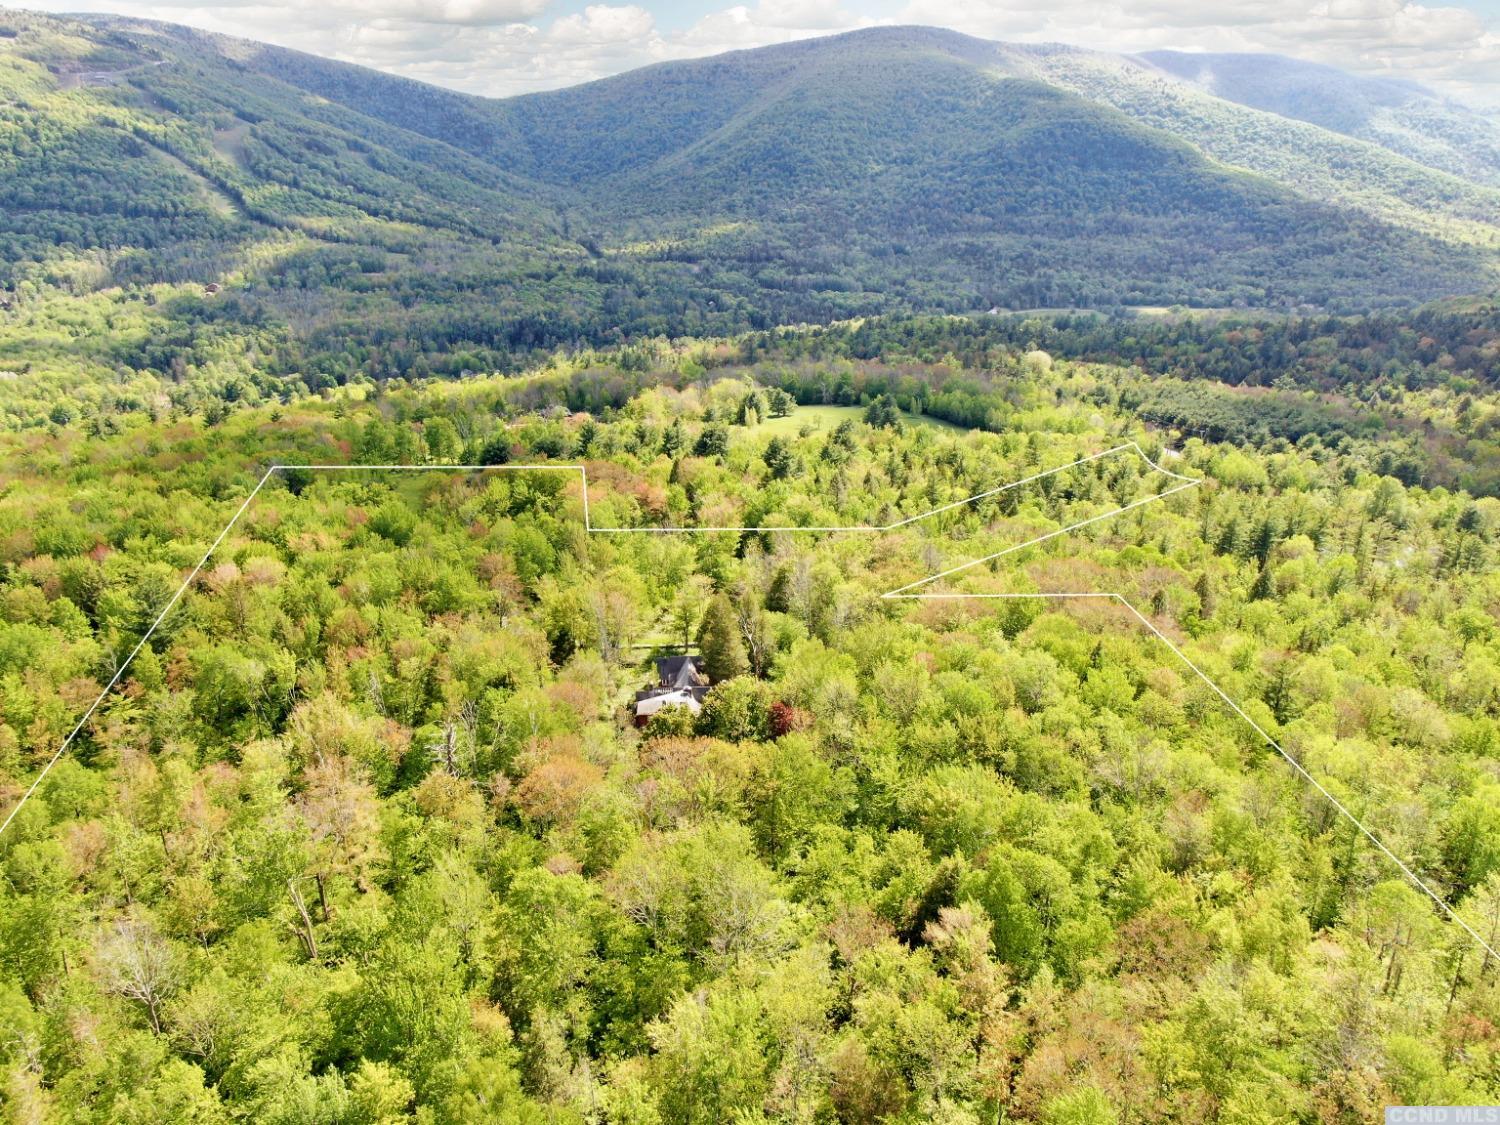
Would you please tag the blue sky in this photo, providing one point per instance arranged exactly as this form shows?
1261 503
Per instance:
502 47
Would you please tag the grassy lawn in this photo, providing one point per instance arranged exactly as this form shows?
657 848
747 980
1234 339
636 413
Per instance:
824 418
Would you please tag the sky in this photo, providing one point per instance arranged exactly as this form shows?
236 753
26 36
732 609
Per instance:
502 47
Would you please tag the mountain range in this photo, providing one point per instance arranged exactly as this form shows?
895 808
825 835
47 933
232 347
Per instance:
231 194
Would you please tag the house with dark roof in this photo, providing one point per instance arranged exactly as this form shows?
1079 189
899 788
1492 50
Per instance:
680 682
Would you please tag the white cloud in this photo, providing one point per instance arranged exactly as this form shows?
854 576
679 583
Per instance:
501 47
599 23
290 14
770 21
1449 47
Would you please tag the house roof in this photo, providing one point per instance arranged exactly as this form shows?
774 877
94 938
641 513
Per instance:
679 671
650 704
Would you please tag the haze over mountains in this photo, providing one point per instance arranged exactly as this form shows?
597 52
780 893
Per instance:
1404 117
350 213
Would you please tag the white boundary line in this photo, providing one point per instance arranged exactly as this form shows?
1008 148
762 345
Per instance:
120 671
900 593
1415 879
589 526
583 472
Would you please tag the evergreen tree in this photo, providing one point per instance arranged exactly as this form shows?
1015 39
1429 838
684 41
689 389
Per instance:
723 652
1265 585
779 458
713 441
1208 601
883 413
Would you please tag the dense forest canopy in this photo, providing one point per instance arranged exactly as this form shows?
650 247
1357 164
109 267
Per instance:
366 832
1418 385
1166 396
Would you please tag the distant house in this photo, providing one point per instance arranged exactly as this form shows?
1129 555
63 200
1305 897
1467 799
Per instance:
680 682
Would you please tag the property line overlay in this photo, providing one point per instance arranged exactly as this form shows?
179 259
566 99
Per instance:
901 593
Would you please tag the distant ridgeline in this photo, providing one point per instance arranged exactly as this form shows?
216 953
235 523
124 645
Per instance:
187 203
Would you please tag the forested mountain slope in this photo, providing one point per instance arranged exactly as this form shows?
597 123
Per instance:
113 134
845 95
362 223
1014 189
1027 183
1404 117
1308 159
140 171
